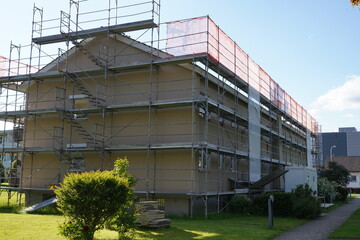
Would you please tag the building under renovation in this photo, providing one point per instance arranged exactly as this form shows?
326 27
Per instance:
195 116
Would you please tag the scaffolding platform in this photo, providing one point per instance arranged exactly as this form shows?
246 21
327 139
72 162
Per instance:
120 28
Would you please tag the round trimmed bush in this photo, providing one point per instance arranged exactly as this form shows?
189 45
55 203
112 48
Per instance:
90 199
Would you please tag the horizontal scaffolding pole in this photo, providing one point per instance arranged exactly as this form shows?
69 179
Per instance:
96 72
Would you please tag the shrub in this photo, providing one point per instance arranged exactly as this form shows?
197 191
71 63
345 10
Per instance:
125 218
240 204
303 191
282 204
342 194
123 222
307 208
260 204
88 200
299 203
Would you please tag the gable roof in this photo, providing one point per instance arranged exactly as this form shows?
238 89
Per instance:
351 163
121 38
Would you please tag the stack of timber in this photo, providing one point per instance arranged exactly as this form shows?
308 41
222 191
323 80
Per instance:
149 215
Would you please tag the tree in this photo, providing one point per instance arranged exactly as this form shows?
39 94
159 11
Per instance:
327 188
124 219
89 199
355 2
336 173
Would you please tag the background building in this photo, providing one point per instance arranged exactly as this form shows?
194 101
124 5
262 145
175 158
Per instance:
346 142
352 164
197 118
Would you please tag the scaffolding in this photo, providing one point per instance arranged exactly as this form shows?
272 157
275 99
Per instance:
196 116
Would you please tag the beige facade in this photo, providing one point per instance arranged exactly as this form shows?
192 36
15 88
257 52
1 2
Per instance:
184 123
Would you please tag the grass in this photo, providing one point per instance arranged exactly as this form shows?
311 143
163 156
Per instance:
10 205
42 226
224 226
34 226
21 226
350 229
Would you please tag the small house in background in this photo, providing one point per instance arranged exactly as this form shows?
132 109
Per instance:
7 142
352 164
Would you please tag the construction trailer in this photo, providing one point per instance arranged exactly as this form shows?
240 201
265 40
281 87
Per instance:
195 116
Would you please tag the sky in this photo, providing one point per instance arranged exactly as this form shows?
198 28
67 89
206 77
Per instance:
310 48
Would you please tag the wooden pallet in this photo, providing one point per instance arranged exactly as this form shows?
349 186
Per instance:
148 215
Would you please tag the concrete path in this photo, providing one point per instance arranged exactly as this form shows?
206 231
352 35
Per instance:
320 228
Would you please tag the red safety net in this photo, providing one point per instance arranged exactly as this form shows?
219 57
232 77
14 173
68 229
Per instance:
13 68
202 35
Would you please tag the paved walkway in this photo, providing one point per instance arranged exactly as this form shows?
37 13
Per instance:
320 228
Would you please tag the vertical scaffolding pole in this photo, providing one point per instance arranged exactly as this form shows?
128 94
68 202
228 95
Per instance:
193 137
150 108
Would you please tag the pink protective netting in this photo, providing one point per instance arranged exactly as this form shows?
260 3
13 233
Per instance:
13 68
3 66
202 35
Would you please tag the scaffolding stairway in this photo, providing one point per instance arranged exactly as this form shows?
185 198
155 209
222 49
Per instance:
76 80
97 60
85 135
74 159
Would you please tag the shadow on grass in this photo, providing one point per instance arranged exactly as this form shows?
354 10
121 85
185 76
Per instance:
175 233
224 227
9 209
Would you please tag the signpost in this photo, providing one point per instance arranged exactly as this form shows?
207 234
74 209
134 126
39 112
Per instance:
271 211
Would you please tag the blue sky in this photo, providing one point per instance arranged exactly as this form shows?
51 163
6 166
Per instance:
311 48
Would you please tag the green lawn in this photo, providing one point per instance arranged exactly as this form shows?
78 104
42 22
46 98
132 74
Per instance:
350 229
44 227
225 227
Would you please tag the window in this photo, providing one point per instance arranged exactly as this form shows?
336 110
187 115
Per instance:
352 178
77 164
202 160
220 161
233 164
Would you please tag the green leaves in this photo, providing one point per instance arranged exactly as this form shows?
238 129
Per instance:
336 173
89 199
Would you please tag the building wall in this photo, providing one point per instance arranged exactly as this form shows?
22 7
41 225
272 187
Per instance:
353 143
354 180
347 143
331 139
197 138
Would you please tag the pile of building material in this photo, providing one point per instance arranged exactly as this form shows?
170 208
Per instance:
149 215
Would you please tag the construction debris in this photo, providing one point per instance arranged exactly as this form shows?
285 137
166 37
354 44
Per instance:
149 215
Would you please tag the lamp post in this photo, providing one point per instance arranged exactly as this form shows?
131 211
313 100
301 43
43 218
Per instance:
331 152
